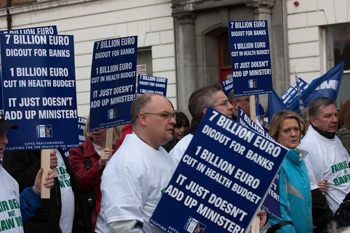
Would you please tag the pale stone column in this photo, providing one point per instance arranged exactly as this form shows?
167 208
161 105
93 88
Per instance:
186 63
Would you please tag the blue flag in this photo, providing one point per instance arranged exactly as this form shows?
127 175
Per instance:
275 105
291 93
324 86
300 97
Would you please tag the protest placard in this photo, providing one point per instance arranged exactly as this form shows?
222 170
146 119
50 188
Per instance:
245 120
113 77
221 180
250 56
79 131
227 85
45 30
39 92
271 204
48 30
151 84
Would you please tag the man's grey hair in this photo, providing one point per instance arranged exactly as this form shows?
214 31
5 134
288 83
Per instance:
316 104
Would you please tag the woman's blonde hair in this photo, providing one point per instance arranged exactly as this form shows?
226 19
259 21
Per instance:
117 131
277 120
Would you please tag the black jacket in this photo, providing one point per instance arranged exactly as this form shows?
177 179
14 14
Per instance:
23 166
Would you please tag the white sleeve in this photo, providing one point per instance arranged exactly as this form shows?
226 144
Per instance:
312 168
179 149
122 193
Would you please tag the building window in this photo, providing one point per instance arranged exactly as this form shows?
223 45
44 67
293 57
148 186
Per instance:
225 65
338 50
144 61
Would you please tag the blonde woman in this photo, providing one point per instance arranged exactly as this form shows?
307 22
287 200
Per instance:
89 161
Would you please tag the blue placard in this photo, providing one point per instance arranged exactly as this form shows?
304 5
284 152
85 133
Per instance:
81 127
271 204
219 183
227 85
245 120
113 77
45 30
250 56
35 30
39 91
151 84
79 132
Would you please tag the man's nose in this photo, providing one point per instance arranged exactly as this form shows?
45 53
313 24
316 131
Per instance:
334 118
172 120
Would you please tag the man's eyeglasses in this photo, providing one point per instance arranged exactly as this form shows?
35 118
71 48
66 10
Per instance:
165 115
225 103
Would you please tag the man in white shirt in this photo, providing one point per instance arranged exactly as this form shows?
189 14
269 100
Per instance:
327 159
65 211
198 104
141 168
15 208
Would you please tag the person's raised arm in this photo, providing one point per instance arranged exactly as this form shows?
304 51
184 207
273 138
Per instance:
30 197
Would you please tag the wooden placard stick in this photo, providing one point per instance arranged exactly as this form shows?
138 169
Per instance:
256 222
256 225
252 108
109 138
45 163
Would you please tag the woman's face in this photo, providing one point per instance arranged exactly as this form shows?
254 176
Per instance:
289 134
98 136
180 131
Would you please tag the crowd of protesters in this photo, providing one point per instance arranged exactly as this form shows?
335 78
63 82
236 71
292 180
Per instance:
116 190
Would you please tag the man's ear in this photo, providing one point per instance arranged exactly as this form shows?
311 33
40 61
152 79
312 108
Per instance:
205 111
142 119
312 121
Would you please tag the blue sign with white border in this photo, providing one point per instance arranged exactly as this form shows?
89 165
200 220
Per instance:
79 132
271 204
48 30
219 185
45 30
113 78
39 92
227 85
250 56
151 84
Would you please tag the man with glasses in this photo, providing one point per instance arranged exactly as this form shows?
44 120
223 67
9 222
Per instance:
141 168
242 102
209 96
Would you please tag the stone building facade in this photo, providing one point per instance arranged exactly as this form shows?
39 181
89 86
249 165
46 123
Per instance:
186 40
